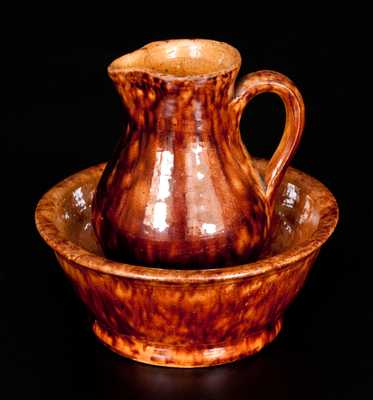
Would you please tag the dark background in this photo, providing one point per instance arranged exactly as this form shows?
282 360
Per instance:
60 113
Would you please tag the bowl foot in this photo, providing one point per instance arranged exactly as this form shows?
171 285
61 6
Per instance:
185 356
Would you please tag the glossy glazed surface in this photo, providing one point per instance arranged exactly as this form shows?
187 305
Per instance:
188 318
181 188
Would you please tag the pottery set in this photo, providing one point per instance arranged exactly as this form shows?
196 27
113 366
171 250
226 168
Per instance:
185 249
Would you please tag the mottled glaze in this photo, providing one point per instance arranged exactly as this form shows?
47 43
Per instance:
181 189
193 317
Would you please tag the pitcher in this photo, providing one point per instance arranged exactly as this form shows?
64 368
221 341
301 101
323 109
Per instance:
181 190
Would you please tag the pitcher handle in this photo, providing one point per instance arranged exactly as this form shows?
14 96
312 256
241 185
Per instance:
274 82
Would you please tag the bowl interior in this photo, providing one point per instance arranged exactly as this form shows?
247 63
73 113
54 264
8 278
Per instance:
296 218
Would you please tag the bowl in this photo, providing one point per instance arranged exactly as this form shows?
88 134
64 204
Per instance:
190 317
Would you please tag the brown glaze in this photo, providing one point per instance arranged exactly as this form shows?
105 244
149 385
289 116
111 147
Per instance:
194 317
181 189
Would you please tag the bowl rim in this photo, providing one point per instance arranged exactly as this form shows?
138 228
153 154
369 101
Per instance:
46 210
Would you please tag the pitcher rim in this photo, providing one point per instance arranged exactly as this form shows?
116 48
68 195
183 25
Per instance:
116 66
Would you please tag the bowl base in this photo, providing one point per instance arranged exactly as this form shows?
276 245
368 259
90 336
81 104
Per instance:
182 356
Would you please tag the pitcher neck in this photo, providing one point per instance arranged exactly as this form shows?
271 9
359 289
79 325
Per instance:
143 93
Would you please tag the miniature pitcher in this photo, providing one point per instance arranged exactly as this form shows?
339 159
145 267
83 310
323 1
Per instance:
181 190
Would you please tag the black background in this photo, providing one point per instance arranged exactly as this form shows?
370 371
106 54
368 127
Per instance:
60 113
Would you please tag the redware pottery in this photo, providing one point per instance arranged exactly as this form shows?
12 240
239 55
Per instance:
191 317
181 189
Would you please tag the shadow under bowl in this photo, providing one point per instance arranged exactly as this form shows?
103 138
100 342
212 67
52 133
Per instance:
188 318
